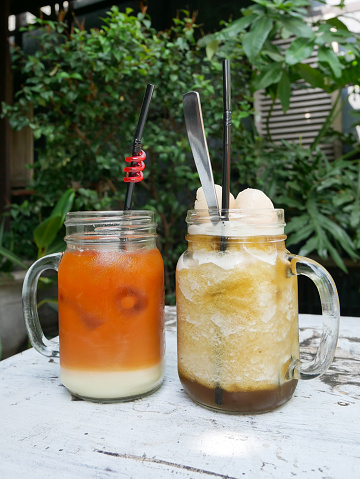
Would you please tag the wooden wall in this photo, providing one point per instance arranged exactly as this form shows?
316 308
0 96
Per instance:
5 95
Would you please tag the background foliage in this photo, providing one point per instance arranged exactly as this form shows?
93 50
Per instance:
321 199
85 89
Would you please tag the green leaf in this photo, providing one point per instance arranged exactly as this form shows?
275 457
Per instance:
296 26
339 234
342 197
311 75
327 55
47 301
254 40
12 257
211 48
76 76
239 25
270 47
336 257
299 50
284 91
355 216
202 42
326 35
350 75
300 235
296 223
45 233
64 204
290 202
63 75
2 226
56 247
270 75
311 245
337 23
277 57
320 234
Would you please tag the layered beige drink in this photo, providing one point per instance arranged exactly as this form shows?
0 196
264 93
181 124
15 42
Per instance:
237 312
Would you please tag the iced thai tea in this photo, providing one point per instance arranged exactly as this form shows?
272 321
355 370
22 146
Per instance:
111 301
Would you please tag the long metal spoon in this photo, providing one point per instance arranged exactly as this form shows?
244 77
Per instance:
197 139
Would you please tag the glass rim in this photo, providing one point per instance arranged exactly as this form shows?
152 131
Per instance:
234 210
110 215
110 212
247 215
109 226
104 238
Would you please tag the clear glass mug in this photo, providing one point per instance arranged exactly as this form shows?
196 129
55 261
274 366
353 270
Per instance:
111 306
237 312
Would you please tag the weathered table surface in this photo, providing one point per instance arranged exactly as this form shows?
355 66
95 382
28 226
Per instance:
45 433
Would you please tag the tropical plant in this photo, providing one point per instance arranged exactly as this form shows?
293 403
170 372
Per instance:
276 68
321 197
323 209
45 235
85 89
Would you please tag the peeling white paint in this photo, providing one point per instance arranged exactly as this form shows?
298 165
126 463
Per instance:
44 433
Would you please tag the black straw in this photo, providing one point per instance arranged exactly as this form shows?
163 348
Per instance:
136 149
226 135
226 146
219 393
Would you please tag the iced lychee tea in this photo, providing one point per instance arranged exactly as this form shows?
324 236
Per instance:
237 322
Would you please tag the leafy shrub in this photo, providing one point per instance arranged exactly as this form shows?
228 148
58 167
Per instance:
86 88
322 199
44 234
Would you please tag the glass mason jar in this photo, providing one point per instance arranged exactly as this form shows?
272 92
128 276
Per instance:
111 304
237 312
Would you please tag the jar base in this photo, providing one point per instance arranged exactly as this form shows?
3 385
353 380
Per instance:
240 402
112 386
118 400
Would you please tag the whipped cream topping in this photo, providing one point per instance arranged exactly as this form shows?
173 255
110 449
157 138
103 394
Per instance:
201 204
252 213
252 199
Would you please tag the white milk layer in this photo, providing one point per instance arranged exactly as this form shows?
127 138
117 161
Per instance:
109 385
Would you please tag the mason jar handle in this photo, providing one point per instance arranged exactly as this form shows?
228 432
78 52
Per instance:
330 318
34 329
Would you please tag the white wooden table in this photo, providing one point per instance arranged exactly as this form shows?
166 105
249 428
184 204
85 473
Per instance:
45 433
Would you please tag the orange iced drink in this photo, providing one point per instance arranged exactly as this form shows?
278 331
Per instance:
111 305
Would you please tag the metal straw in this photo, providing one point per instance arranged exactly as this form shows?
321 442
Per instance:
136 149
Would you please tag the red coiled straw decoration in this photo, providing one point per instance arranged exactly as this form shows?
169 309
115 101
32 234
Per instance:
134 172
